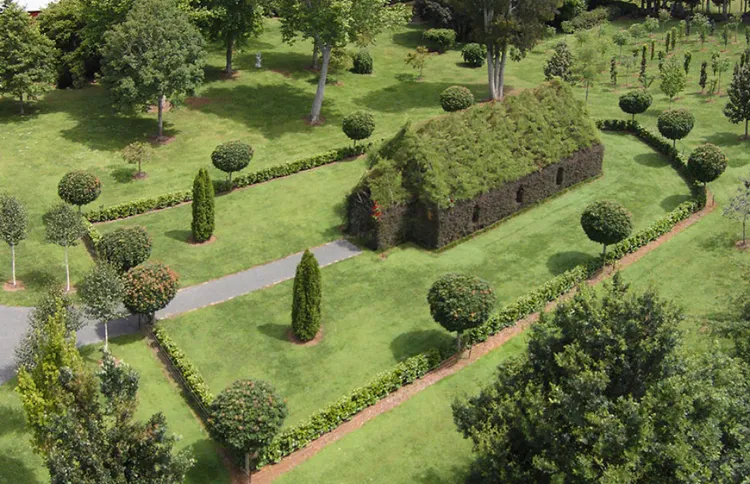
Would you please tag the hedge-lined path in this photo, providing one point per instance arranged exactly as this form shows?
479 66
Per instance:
271 472
14 320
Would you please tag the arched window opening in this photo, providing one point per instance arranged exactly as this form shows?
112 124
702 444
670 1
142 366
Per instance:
475 215
560 175
519 195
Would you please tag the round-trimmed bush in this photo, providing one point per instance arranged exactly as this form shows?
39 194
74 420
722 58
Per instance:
358 125
125 248
706 163
635 102
232 156
459 302
440 40
474 54
149 288
362 62
79 188
456 98
606 222
675 124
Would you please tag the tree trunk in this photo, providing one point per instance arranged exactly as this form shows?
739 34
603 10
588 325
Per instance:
587 93
604 255
316 50
744 223
140 172
67 271
491 71
247 466
458 343
161 112
20 99
501 73
106 336
746 128
13 263
318 102
230 45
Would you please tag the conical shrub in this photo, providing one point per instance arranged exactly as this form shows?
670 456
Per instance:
306 298
203 207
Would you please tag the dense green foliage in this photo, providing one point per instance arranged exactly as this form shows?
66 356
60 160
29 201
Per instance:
306 298
474 54
440 40
737 109
362 62
611 396
232 23
125 248
137 153
675 124
101 291
456 98
560 64
606 222
64 227
64 24
459 156
79 188
14 223
635 102
358 125
149 288
459 302
707 162
202 225
232 156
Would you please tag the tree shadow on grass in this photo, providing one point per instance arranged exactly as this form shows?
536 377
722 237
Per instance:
123 174
208 464
727 139
411 37
718 241
409 95
671 202
275 331
564 261
433 476
651 160
13 420
16 471
412 343
179 235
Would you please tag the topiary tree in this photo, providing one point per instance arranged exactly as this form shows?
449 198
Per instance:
137 153
358 125
202 225
635 102
79 188
706 163
474 54
306 298
149 288
362 62
456 98
246 417
738 105
459 302
101 291
13 227
606 222
125 248
675 124
65 228
232 156
560 64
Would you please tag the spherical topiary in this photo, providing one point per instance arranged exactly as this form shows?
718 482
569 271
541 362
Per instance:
635 102
149 288
359 125
125 248
706 163
474 54
606 222
232 156
459 302
675 124
362 62
456 98
79 188
246 416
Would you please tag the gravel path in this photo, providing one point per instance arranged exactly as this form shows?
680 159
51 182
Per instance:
13 320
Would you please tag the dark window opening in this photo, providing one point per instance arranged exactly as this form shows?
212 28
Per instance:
560 174
475 215
519 195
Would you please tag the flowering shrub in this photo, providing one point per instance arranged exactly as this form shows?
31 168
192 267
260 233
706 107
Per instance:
149 288
376 212
79 187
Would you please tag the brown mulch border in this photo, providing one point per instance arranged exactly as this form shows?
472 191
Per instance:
9 287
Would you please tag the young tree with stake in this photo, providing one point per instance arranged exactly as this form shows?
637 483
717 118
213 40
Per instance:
137 153
102 291
13 227
739 207
65 228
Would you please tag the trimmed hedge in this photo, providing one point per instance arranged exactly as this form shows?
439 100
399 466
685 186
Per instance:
144 205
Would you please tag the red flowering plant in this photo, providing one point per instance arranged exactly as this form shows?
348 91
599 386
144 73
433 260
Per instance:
376 212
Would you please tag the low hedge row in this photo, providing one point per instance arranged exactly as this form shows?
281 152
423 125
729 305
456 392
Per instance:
144 205
93 234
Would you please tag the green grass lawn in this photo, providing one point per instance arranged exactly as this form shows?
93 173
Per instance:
254 225
374 307
18 463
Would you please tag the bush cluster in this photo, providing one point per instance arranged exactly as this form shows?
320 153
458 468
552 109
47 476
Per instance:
675 124
358 125
456 98
124 248
636 102
137 207
362 62
586 20
474 54
440 40
79 187
232 156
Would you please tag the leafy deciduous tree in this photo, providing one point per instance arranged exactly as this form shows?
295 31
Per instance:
137 153
673 78
232 22
65 228
738 105
13 226
560 64
101 291
739 207
417 58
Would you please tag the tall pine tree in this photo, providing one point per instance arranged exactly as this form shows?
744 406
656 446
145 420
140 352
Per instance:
203 207
738 106
306 298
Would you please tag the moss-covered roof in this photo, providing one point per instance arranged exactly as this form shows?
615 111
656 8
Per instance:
461 155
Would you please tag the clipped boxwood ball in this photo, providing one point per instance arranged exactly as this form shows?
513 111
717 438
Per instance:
79 187
474 54
606 222
125 247
707 162
456 98
675 124
459 302
362 62
232 156
358 125
635 102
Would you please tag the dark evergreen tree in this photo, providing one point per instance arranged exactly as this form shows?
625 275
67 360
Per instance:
560 64
704 76
667 42
203 207
738 105
306 298
613 71
686 63
644 63
653 49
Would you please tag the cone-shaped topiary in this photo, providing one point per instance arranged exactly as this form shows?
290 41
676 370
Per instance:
306 298
203 207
